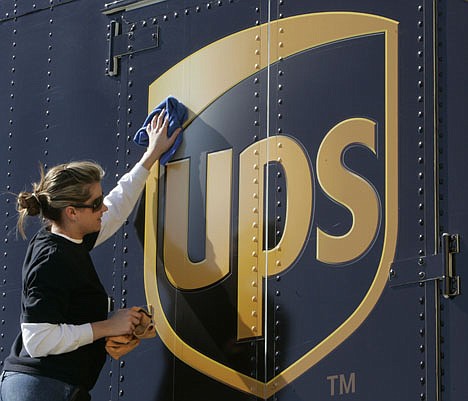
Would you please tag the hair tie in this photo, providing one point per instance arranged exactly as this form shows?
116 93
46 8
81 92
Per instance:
37 199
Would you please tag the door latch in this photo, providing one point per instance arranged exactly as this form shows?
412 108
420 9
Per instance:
450 244
136 39
440 266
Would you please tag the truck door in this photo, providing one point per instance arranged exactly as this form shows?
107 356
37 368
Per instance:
293 247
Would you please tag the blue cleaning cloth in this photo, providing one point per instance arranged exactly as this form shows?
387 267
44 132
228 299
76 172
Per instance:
177 115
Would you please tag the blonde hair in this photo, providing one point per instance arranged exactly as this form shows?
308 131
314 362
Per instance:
61 186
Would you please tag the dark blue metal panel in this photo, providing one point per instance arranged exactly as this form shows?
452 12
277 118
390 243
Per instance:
452 127
60 107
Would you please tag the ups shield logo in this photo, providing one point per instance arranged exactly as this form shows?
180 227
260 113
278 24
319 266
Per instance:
281 205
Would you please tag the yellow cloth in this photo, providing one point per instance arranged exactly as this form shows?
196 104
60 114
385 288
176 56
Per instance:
117 346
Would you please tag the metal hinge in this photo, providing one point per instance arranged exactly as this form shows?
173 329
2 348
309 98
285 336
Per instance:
136 40
439 266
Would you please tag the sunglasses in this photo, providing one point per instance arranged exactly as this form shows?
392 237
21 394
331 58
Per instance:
96 205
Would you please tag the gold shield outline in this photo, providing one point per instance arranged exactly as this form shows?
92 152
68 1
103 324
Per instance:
203 77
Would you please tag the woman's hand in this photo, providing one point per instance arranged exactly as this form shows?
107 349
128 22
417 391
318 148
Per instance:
159 141
122 322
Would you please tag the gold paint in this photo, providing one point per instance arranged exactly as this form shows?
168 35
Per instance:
204 76
349 190
181 271
298 216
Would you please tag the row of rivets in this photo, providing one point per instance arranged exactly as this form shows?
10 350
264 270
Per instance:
48 88
420 129
255 275
420 156
278 198
8 201
173 15
440 140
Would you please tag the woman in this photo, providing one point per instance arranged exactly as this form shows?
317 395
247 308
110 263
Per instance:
60 350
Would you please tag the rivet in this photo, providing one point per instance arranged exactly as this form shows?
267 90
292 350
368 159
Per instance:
254 268
254 299
279 159
257 37
257 52
280 44
254 239
255 181
422 275
254 224
254 210
254 254
257 66
255 195
254 313
254 328
253 283
278 263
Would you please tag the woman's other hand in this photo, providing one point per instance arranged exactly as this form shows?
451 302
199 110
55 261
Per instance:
122 322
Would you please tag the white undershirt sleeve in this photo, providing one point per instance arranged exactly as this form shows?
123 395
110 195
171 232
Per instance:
121 201
42 339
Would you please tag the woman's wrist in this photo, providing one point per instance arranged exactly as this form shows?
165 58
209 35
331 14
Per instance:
100 329
148 159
